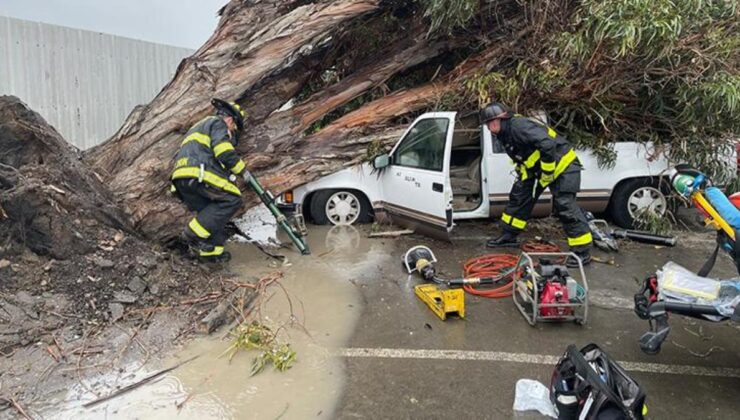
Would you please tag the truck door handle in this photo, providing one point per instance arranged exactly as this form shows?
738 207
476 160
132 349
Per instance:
436 186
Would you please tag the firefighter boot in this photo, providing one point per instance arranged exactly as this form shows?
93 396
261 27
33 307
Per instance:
584 256
505 240
188 244
213 254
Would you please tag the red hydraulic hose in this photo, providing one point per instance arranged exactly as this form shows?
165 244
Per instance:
500 266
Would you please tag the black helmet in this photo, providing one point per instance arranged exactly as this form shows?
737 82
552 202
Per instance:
494 110
231 109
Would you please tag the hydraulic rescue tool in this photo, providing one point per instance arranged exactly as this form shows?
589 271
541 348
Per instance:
600 231
296 230
644 237
442 302
546 291
420 258
605 238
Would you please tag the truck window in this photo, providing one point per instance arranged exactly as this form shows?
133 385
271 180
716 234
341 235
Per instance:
424 146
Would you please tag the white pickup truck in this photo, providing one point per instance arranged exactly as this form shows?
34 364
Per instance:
445 169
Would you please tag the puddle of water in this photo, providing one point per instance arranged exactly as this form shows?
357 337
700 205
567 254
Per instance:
260 224
322 298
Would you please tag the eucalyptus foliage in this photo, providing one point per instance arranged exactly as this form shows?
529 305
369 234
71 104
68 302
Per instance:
446 15
660 71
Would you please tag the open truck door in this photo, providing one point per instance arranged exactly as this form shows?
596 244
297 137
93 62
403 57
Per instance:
415 177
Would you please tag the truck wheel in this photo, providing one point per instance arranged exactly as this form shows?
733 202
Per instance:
340 207
634 196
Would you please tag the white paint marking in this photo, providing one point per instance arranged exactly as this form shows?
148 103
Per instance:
537 359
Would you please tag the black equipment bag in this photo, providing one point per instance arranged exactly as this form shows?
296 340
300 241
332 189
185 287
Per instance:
588 384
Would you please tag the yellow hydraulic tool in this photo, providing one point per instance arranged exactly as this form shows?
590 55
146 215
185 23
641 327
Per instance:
442 302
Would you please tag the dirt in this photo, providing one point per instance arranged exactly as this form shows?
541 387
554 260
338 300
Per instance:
74 274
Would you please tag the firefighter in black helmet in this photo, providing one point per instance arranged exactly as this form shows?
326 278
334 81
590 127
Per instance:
206 167
543 159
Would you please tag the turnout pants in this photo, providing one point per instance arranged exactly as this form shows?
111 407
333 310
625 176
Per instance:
523 197
214 209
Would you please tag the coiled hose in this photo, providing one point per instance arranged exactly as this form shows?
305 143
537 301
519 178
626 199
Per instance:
497 266
500 267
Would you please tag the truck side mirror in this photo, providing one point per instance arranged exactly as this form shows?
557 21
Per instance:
381 161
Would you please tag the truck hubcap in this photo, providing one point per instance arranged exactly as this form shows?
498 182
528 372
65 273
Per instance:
646 198
343 208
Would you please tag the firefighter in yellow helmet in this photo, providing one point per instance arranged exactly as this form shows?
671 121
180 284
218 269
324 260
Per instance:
204 178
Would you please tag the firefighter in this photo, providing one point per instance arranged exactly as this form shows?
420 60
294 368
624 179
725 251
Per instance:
543 159
206 167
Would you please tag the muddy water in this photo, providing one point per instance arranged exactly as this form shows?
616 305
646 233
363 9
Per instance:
324 301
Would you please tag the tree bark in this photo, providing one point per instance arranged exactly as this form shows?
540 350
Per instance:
262 55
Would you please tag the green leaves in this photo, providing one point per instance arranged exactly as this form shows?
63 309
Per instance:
255 336
446 15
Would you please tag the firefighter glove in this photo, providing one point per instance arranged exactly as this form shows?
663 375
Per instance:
546 179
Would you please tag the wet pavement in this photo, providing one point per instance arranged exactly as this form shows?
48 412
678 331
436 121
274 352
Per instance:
368 348
315 310
494 346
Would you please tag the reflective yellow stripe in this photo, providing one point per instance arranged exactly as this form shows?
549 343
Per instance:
200 138
198 229
217 250
532 159
518 223
513 221
222 148
552 133
566 160
547 166
209 177
239 167
584 239
523 172
181 162
506 218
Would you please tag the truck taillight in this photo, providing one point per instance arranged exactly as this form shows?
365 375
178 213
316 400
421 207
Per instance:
288 197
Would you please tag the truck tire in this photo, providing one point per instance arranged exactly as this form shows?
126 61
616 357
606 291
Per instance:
633 195
340 207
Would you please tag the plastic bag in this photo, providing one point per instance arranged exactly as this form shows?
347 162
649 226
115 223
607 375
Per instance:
679 283
533 395
676 283
729 297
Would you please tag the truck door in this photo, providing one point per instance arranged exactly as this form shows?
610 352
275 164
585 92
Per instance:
416 184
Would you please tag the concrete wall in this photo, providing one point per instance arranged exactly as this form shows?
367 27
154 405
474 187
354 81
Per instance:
84 83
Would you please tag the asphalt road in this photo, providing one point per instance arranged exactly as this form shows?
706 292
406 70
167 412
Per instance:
404 362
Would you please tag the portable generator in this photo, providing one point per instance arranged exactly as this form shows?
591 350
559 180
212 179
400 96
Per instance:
546 290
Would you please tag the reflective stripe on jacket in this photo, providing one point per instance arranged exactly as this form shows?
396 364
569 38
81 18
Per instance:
536 148
207 154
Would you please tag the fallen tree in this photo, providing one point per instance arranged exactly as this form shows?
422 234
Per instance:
323 80
323 56
326 85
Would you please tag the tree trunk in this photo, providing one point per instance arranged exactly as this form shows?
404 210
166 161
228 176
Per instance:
264 54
